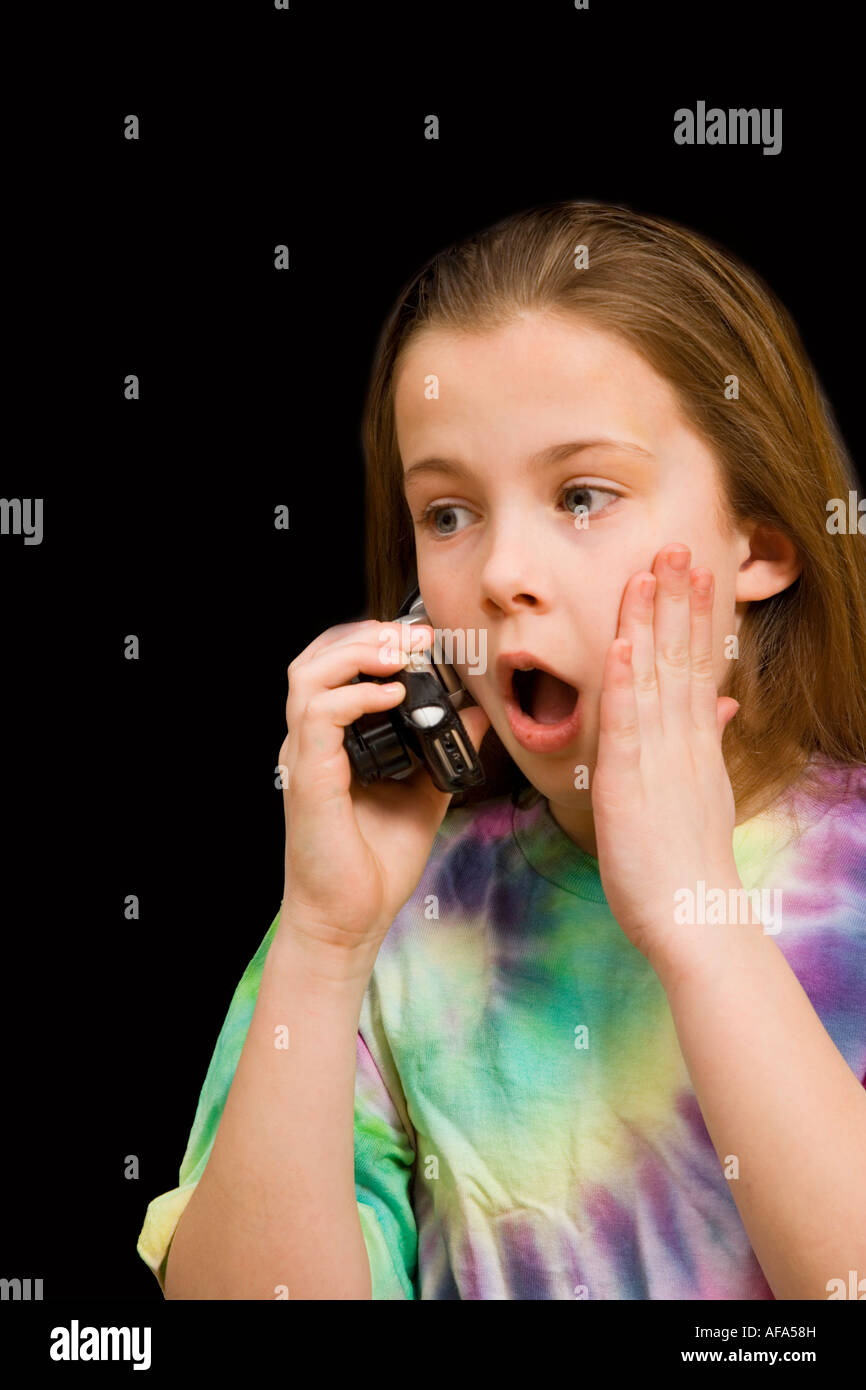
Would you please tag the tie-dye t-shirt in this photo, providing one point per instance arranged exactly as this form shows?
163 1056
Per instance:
525 1126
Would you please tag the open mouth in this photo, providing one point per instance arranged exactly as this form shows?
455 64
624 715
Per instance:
543 697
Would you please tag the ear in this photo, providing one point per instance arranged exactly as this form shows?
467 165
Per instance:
772 565
726 708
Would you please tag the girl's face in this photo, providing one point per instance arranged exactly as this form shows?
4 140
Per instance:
504 554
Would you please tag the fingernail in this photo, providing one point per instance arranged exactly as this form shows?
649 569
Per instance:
678 559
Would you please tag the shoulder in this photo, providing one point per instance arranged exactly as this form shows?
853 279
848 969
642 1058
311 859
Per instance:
830 804
828 855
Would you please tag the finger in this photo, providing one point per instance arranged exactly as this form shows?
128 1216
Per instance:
321 730
332 635
636 624
671 630
703 696
619 742
351 632
320 770
322 786
388 636
337 665
407 636
333 667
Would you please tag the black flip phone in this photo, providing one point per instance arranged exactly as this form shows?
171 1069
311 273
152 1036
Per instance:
425 723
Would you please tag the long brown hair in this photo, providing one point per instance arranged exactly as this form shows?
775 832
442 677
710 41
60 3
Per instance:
698 316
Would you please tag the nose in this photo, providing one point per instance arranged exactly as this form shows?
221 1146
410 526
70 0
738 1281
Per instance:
507 598
513 576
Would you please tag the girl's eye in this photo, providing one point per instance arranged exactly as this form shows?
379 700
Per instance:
582 487
429 516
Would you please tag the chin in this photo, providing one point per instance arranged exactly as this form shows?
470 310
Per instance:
552 776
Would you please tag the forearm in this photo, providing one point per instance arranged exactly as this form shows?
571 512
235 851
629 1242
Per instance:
275 1206
776 1093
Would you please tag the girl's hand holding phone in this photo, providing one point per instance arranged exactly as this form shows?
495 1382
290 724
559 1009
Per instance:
354 854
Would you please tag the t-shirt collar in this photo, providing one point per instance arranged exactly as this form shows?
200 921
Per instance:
556 857
553 854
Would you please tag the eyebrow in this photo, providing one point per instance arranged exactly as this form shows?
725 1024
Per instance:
555 453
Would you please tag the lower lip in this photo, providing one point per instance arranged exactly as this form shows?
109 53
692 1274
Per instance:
542 738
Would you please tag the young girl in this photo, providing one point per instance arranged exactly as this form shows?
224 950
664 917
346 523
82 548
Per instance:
585 1058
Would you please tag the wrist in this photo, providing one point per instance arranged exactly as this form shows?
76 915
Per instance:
321 963
700 951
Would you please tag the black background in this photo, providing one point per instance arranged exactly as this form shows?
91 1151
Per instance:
156 776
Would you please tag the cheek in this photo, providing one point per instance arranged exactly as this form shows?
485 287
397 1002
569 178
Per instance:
725 627
599 616
439 600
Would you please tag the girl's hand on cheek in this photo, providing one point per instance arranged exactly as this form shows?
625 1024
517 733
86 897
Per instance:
662 801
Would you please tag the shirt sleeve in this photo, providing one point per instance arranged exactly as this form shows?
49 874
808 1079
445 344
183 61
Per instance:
384 1154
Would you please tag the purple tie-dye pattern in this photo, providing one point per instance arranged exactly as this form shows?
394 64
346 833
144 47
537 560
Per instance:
496 1156
524 938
